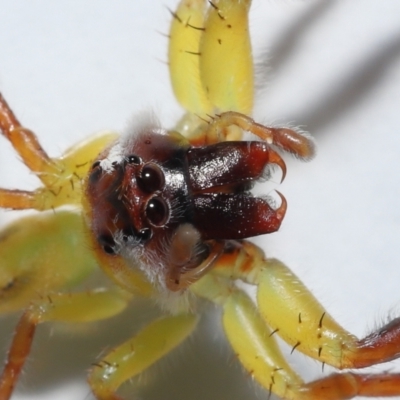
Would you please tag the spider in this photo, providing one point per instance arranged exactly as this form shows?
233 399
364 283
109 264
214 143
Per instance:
220 7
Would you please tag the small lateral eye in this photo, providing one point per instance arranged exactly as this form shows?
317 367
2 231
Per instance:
107 243
95 172
95 164
151 178
133 159
108 249
157 211
145 234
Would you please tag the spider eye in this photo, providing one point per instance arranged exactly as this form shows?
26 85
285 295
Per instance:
96 172
133 159
157 211
151 178
108 249
107 243
95 164
145 234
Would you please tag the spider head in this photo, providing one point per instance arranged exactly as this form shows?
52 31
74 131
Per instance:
167 208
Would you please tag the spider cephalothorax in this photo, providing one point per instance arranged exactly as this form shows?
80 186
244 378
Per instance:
154 200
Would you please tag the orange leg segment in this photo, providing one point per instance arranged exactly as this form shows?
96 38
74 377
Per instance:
24 142
286 139
349 385
17 355
380 346
17 199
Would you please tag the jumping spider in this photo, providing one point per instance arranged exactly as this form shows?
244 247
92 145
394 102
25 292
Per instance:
187 246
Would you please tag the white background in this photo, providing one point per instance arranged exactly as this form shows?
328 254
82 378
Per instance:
72 68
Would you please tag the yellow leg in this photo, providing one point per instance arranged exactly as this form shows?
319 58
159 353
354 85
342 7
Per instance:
29 268
293 313
257 350
210 60
299 318
75 307
303 323
251 339
184 56
138 353
287 306
226 63
255 347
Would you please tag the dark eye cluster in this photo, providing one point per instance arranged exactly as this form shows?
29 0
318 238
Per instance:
154 210
152 180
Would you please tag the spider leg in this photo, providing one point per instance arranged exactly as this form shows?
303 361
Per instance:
219 129
62 177
291 312
31 279
312 330
210 62
349 384
225 46
203 47
187 27
17 199
67 307
252 340
24 142
138 353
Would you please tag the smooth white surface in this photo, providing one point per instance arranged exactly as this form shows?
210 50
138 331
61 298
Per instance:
72 68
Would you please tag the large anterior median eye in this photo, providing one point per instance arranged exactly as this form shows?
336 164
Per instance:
157 211
151 178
